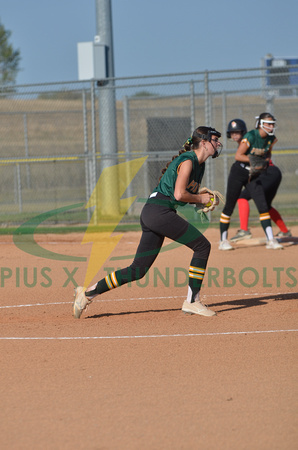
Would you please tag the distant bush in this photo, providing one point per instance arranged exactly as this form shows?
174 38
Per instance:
144 94
61 95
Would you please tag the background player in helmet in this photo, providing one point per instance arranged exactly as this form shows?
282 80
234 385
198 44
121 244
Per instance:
260 140
270 178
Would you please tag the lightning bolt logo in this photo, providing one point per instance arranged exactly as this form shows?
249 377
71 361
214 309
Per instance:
103 245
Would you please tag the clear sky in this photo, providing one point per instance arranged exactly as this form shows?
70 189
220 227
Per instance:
150 36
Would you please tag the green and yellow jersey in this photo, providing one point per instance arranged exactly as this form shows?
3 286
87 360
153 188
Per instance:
167 183
254 142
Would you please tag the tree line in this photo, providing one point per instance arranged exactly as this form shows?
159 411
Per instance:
9 58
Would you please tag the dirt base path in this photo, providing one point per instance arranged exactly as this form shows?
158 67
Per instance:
135 372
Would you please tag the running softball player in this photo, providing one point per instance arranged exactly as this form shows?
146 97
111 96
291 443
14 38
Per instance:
271 179
178 185
259 143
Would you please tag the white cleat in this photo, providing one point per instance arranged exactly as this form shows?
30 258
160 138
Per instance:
273 244
197 308
225 245
80 302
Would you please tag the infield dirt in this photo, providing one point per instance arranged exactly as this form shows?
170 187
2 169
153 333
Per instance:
135 372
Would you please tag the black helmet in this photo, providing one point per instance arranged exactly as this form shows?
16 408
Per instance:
209 132
236 125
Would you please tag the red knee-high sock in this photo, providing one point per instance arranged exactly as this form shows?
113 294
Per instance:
243 208
276 217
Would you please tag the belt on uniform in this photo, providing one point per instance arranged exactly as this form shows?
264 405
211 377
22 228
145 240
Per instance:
244 166
161 199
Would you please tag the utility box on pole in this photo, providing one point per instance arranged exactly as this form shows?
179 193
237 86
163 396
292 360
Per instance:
92 61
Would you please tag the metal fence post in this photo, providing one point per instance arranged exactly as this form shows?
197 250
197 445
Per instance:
110 201
207 100
86 152
225 141
19 187
127 141
26 149
207 122
192 107
108 148
92 160
15 183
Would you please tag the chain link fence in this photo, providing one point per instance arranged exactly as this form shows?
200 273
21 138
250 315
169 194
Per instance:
53 151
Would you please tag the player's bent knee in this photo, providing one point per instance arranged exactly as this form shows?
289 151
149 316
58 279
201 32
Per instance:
202 248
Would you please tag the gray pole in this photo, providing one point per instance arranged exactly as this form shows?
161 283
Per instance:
107 109
225 140
86 151
207 122
207 100
127 141
27 150
92 161
192 107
